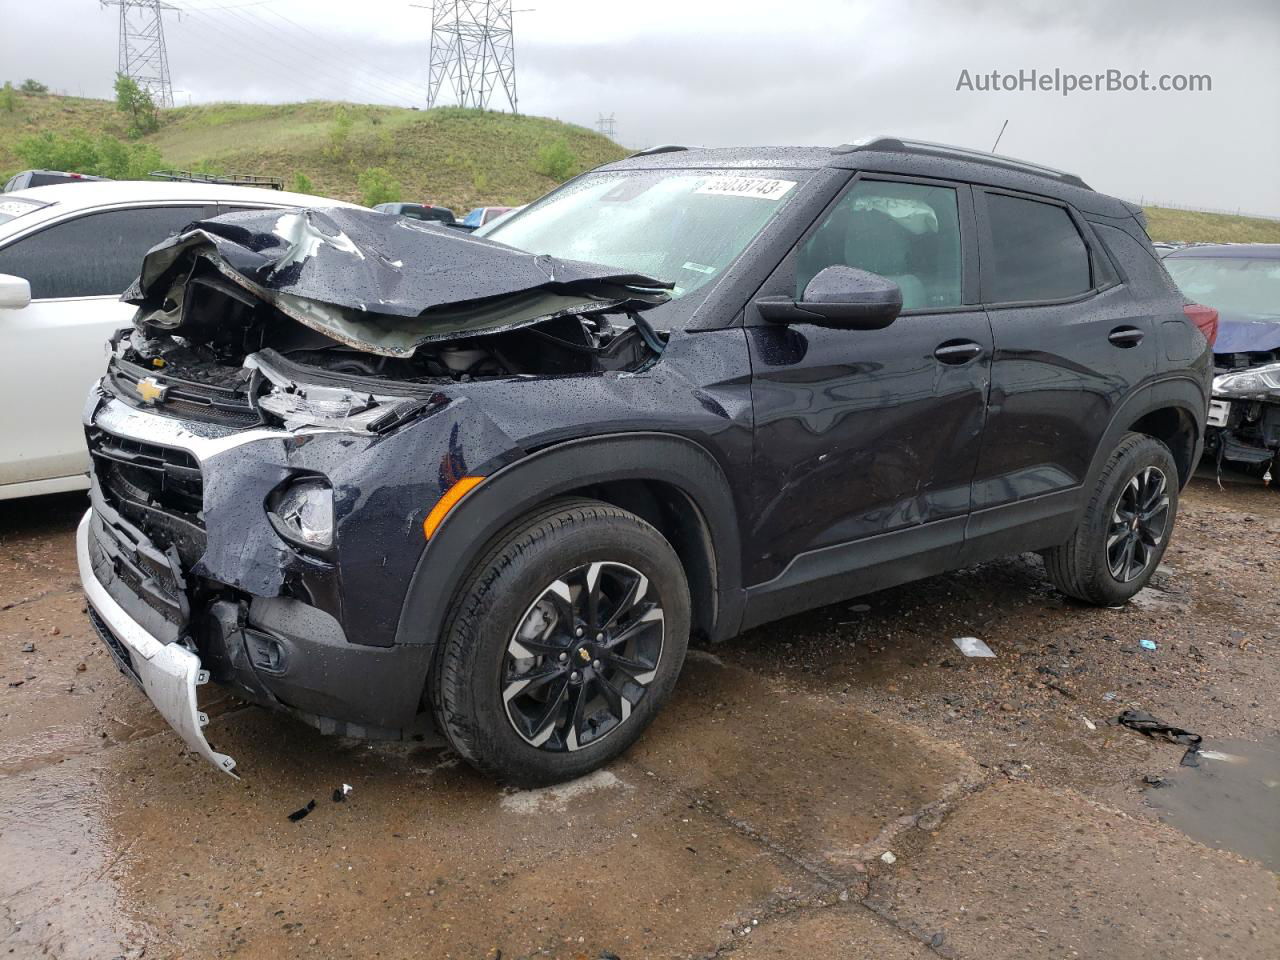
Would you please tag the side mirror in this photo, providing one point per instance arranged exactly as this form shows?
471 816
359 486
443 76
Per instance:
15 292
839 296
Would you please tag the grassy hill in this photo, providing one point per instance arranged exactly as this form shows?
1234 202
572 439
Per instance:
1191 225
461 158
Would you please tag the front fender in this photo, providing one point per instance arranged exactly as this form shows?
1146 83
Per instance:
518 488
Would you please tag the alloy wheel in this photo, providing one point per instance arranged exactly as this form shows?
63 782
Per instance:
583 655
1138 524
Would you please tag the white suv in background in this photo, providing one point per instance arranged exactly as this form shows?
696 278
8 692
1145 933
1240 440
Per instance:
67 252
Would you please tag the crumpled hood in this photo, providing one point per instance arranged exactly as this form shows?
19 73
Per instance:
1246 333
381 283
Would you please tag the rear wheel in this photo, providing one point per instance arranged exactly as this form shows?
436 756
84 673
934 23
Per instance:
562 644
1125 527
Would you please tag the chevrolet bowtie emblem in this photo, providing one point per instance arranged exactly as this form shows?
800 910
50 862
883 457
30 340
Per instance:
151 391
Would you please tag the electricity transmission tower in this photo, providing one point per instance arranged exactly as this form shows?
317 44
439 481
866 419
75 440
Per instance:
606 125
473 48
143 57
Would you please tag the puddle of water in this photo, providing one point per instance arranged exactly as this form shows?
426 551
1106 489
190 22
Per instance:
59 895
1231 801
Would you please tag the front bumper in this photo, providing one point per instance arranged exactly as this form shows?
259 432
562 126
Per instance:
1243 431
167 672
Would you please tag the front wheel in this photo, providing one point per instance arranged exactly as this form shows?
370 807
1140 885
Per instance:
562 644
1124 529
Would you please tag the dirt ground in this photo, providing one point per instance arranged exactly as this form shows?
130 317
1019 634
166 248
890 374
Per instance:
842 784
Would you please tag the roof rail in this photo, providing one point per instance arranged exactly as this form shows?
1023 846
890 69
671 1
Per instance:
230 179
926 148
660 148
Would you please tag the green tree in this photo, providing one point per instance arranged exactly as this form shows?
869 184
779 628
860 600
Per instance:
302 184
135 102
378 186
33 86
339 133
8 98
556 161
105 157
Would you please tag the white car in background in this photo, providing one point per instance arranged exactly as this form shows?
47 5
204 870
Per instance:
66 254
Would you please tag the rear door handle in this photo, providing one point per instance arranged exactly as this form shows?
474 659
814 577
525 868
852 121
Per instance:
1126 336
957 351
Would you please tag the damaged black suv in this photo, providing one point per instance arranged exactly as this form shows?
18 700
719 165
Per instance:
377 473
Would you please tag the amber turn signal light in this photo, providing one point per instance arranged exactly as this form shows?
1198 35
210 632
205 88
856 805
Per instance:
446 503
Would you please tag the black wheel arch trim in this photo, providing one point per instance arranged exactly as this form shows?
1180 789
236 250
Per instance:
1179 392
521 487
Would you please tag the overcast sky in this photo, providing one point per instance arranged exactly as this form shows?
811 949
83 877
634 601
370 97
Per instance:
807 71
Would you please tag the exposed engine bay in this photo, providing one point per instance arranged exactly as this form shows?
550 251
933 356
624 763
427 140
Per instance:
265 316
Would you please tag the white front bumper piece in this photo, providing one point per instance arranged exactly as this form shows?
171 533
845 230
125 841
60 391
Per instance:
169 672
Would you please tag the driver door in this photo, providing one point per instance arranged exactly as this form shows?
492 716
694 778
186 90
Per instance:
866 441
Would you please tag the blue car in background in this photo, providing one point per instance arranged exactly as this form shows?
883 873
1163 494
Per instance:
1242 281
479 216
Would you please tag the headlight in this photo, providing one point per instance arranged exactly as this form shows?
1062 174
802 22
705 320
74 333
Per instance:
320 406
303 513
1260 383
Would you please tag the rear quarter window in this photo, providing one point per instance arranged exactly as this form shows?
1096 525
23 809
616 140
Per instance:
1036 252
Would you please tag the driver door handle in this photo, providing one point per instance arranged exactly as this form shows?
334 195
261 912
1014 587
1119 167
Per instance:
957 351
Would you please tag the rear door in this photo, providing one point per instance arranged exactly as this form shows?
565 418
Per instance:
866 440
53 348
1070 345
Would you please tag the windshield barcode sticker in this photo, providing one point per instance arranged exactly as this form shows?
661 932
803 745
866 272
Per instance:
746 187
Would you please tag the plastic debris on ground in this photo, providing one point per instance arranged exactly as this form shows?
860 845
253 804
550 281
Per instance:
340 793
1089 723
889 857
1147 644
1150 726
299 814
972 647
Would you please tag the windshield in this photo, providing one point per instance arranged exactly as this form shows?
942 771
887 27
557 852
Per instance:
682 226
1229 284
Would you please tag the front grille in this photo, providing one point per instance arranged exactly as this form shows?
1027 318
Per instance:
209 403
134 471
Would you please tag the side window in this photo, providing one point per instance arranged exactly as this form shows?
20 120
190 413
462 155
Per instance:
908 232
1036 252
94 255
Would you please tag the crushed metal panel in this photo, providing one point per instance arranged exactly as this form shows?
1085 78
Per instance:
385 286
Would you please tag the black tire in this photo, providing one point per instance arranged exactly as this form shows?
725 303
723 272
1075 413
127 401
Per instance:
513 590
1084 567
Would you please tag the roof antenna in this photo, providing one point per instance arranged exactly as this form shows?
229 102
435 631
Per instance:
998 136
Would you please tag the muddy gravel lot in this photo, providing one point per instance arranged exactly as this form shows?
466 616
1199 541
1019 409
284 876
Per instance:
842 784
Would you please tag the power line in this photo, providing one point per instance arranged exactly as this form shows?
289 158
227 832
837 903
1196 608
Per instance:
607 125
255 45
391 78
233 40
142 55
370 83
